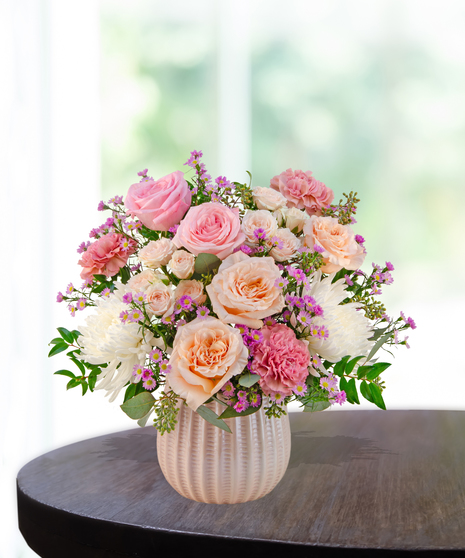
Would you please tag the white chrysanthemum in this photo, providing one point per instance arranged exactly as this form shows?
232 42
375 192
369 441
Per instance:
348 327
105 339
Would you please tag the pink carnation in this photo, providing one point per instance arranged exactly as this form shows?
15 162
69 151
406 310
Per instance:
303 191
105 256
280 359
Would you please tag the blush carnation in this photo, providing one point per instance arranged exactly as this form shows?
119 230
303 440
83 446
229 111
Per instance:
280 359
303 191
210 228
105 256
159 204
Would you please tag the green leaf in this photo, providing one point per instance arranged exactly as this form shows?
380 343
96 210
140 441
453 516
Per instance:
365 391
340 274
377 397
211 417
92 380
351 392
231 412
130 392
315 406
84 387
377 346
72 383
340 366
58 348
327 364
377 333
65 373
75 333
100 278
248 380
56 340
143 420
67 335
351 364
377 369
125 274
79 365
205 263
138 406
363 371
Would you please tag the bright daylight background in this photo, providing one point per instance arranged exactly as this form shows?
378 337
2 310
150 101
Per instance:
368 95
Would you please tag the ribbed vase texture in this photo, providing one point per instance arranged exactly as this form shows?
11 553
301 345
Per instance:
207 464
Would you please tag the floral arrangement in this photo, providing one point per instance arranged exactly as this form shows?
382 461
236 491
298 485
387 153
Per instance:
213 290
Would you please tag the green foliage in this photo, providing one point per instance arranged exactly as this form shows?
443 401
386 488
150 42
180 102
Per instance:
206 263
65 373
248 379
138 406
314 406
58 348
211 417
66 335
230 412
340 366
166 412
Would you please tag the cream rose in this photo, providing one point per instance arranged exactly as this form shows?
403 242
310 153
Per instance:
289 245
191 288
157 253
260 219
182 264
160 299
243 291
295 219
142 281
206 354
340 247
267 198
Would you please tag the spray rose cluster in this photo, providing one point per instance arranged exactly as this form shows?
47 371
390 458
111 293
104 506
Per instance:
209 289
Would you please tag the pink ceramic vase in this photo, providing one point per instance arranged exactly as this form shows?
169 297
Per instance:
207 464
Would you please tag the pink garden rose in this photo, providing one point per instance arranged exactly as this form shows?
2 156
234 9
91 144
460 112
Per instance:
206 354
159 204
281 360
340 247
210 228
105 256
303 191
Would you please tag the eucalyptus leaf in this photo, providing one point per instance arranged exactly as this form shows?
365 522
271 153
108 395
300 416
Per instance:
248 379
143 420
377 333
211 417
137 407
231 412
315 406
378 345
205 263
58 348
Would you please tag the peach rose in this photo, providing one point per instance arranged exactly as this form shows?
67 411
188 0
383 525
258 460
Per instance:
105 256
243 291
191 288
303 191
340 247
206 354
160 299
290 245
182 264
159 204
157 253
267 198
142 281
210 228
260 219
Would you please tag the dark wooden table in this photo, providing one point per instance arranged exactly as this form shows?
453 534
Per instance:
359 483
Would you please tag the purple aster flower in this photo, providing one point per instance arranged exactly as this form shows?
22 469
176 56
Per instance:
359 239
281 283
328 382
241 406
318 248
277 397
287 315
59 297
243 330
135 316
155 355
318 310
101 206
137 372
324 333
256 336
83 247
127 298
290 299
124 316
299 302
304 318
242 395
180 323
174 229
246 249
130 226
254 399
165 366
136 267
348 280
228 389
340 397
405 341
94 233
186 302
396 337
105 293
147 373
150 384
202 312
300 388
277 242
143 172
72 310
389 266
388 279
222 182
69 288
81 304
139 298
169 320
259 234
316 361
411 323
310 302
269 321
177 307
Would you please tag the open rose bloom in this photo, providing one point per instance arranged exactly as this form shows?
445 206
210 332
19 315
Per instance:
201 290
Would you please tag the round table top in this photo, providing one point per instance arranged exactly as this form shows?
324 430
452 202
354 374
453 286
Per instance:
359 483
